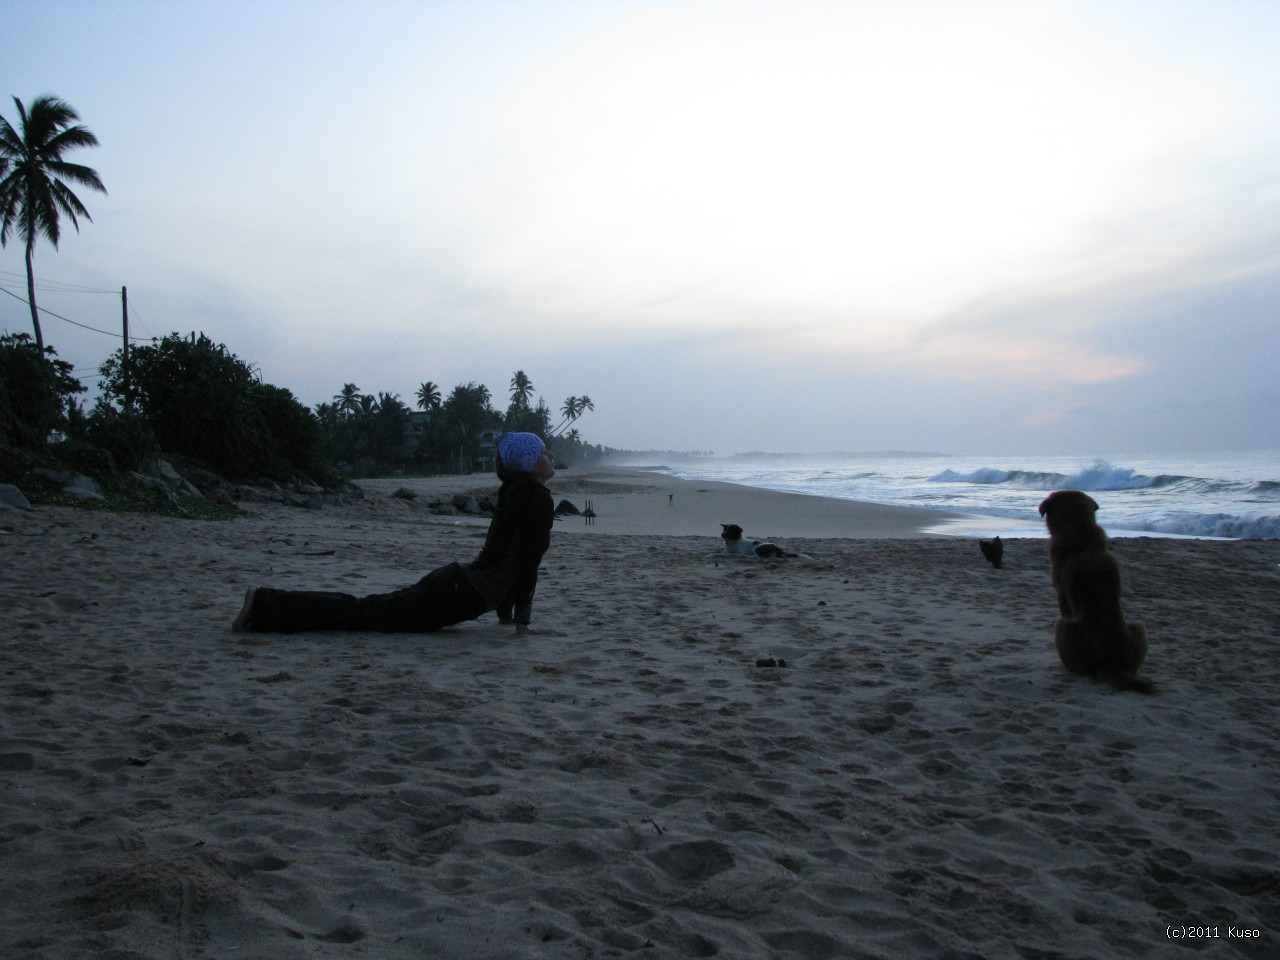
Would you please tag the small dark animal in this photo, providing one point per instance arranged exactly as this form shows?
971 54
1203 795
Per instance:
1091 634
993 550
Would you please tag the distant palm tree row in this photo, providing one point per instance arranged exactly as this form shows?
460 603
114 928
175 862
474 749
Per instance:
450 434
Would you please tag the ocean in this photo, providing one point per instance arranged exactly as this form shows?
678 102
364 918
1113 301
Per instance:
1219 495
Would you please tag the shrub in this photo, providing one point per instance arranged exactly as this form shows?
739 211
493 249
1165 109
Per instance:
294 432
34 392
84 457
201 401
125 434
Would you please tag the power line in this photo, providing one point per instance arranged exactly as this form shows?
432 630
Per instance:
54 286
74 323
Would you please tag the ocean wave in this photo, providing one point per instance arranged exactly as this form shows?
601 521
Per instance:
1210 525
989 476
1100 477
1104 476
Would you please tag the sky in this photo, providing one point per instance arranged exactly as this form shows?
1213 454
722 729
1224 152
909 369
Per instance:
993 227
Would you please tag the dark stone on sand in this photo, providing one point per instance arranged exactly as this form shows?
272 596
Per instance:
11 496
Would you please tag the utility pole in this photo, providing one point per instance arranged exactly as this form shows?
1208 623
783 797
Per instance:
124 302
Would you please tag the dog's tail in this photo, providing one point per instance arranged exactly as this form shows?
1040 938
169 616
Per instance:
1079 655
1128 679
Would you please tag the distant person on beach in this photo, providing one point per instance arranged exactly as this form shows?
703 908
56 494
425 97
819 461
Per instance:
501 579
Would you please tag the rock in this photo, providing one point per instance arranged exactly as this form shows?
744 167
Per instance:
204 481
59 478
466 503
72 484
565 508
248 494
270 485
166 502
404 493
11 496
162 469
301 491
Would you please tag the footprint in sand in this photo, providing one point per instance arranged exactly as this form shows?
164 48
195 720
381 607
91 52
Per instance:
693 861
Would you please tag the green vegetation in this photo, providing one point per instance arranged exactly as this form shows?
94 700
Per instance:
193 399
42 426
202 401
35 389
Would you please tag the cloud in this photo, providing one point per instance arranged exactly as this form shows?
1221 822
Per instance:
887 161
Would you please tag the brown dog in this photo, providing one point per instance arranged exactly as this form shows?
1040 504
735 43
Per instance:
1091 635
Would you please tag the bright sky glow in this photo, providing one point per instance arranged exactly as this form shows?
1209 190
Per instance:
982 227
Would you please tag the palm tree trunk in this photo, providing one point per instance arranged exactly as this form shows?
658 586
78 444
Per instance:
31 293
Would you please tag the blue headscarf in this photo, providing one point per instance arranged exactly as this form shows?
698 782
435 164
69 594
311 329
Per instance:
520 451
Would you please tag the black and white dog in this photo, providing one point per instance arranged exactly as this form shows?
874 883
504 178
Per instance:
735 545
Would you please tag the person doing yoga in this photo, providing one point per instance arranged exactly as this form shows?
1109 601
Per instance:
502 578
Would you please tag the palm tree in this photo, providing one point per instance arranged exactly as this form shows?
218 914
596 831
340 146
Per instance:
326 413
468 411
521 390
389 420
429 397
348 401
569 411
573 408
33 180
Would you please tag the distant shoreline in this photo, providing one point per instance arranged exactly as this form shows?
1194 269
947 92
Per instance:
641 501
643 459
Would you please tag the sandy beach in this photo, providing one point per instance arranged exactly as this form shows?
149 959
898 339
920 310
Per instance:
920 780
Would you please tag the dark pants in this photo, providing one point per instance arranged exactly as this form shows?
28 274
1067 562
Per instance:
440 599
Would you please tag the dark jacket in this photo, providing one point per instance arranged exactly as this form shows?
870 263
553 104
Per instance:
506 572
